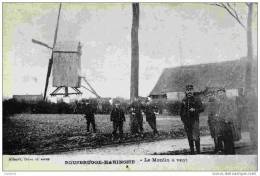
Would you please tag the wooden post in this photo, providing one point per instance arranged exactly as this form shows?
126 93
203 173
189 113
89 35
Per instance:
251 107
66 91
249 60
135 53
134 62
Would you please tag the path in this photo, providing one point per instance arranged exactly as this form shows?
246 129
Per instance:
149 148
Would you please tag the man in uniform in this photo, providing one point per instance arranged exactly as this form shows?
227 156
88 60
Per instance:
190 108
150 116
89 112
117 116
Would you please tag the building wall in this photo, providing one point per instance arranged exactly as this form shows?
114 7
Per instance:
175 96
28 98
232 93
178 96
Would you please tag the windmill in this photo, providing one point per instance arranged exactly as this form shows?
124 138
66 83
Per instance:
66 63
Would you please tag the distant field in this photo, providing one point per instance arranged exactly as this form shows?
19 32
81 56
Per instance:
49 134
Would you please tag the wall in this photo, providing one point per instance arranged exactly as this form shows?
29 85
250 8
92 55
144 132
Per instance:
231 93
175 96
28 98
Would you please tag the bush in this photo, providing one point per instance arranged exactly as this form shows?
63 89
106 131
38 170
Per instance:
160 104
63 108
12 106
104 107
43 107
173 107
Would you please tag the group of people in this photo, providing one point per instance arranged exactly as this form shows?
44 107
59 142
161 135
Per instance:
224 119
117 117
221 112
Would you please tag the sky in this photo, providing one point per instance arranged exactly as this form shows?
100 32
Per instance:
170 35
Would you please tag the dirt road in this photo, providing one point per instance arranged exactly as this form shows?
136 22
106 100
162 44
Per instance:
159 147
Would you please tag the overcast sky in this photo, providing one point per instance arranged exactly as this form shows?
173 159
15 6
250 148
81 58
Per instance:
169 35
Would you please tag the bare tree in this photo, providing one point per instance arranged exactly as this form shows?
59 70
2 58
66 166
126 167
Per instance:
135 53
232 10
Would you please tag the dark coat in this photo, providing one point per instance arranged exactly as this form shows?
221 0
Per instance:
117 115
89 112
188 117
191 118
136 111
149 113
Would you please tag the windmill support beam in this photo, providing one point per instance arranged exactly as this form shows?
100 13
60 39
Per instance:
88 90
76 89
66 91
63 94
91 89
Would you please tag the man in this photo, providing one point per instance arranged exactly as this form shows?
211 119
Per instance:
225 115
190 108
137 117
150 116
133 121
89 112
117 116
213 120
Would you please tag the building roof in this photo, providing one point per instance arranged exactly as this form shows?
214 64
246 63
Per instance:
67 46
228 74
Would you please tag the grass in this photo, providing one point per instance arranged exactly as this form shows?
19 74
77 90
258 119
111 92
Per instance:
51 134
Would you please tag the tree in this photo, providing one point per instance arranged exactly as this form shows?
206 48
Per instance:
135 53
232 10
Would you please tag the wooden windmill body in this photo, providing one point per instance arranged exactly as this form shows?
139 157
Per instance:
66 67
66 64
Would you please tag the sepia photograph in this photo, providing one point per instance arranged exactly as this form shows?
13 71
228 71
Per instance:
130 86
